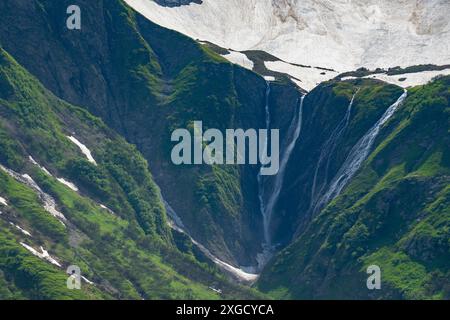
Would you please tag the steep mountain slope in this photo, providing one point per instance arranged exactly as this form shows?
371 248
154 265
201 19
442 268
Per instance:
364 167
146 81
394 214
335 116
93 205
338 35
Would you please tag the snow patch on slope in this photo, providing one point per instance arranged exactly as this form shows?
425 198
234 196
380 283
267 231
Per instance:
44 255
3 202
240 59
25 232
176 223
107 209
37 164
309 77
49 202
68 184
409 79
83 149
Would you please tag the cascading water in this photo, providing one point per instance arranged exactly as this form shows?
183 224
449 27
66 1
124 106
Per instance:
293 136
260 176
328 149
357 156
266 210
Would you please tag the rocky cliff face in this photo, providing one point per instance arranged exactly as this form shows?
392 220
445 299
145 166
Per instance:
73 192
146 81
392 214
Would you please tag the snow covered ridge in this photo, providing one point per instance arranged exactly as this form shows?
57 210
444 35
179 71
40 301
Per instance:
405 80
341 35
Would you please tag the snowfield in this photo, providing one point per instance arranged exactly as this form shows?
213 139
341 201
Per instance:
240 59
306 78
342 35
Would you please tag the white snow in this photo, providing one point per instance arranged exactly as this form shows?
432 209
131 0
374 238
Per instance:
37 164
348 78
62 180
68 184
83 149
25 232
42 255
49 202
240 59
3 202
107 209
309 77
342 35
176 223
87 280
412 79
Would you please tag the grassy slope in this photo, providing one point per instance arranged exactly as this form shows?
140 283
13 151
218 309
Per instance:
130 254
143 81
395 214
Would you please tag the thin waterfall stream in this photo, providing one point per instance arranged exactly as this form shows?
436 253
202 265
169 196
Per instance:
357 156
293 135
328 150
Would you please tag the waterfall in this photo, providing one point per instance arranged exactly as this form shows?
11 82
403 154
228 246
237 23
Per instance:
260 176
292 137
357 156
328 149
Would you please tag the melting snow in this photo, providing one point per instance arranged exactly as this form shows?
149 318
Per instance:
62 180
3 202
83 149
37 164
107 209
49 202
176 223
240 59
87 280
25 232
43 254
68 184
409 79
306 78
339 35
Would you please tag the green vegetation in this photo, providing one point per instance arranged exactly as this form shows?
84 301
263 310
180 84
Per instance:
127 251
395 214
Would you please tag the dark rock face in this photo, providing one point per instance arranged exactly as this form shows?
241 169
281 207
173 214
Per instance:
308 176
177 3
391 214
145 81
